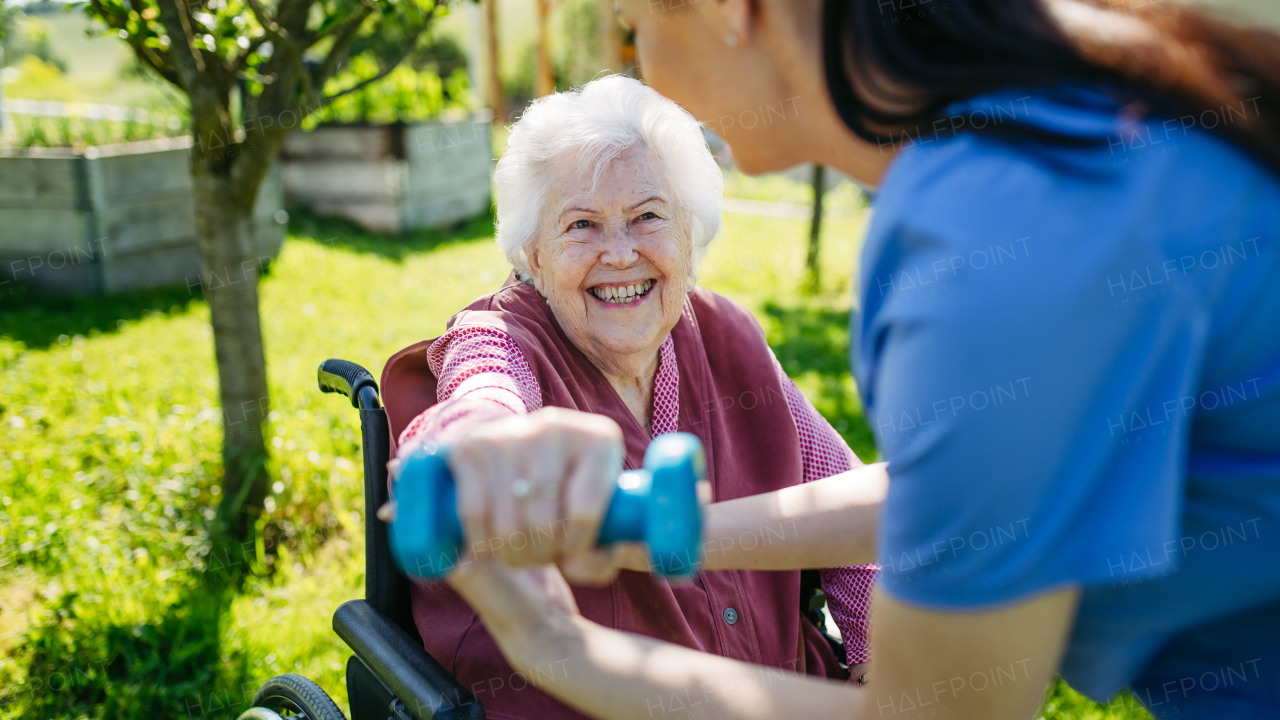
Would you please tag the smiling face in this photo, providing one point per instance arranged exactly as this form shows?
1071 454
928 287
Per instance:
613 260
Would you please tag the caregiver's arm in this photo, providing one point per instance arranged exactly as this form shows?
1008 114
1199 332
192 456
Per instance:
824 523
991 665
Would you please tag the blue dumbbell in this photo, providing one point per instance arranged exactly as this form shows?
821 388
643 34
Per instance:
657 505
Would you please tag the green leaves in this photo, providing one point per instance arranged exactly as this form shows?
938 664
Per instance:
402 96
239 40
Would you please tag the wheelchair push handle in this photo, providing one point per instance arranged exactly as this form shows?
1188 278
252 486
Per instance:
349 379
657 505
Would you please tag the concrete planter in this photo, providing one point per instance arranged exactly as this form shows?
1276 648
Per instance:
114 218
392 178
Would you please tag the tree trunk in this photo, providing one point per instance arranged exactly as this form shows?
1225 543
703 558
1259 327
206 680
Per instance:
815 228
546 79
230 263
497 99
610 42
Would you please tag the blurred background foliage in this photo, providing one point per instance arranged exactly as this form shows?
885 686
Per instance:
26 35
431 84
90 67
54 52
405 95
573 43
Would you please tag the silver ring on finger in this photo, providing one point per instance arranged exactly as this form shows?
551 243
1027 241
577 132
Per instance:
521 488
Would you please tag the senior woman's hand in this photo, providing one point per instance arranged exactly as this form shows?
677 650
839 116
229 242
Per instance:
533 489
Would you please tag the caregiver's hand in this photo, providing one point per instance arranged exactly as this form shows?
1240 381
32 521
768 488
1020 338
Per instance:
526 610
533 489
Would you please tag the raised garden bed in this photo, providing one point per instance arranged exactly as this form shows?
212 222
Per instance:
111 218
392 178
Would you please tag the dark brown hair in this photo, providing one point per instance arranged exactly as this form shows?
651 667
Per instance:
894 65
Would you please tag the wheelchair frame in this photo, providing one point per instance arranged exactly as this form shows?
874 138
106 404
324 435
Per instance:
390 676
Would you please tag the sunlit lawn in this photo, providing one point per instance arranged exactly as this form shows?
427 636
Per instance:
109 433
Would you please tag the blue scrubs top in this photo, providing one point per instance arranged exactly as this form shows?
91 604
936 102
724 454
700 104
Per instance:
1070 354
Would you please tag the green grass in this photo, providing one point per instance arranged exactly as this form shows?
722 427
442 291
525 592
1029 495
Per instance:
109 436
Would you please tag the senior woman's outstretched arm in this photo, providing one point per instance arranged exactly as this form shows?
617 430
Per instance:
988 665
823 523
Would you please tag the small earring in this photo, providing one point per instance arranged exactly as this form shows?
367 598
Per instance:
731 39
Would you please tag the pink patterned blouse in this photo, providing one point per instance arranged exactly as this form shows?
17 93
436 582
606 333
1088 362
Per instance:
483 375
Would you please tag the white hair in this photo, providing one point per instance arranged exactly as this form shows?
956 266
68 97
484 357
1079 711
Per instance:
596 123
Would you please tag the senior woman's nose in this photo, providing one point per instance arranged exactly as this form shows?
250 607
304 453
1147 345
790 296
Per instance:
619 246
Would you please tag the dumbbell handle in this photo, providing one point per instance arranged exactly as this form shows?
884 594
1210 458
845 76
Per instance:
657 504
624 519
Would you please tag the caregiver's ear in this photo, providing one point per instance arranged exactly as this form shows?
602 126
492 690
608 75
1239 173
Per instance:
739 19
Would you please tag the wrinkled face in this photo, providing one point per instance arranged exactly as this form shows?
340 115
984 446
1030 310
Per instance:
613 260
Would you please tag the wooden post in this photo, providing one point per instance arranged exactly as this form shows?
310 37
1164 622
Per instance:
610 40
815 229
6 121
496 99
545 82
477 77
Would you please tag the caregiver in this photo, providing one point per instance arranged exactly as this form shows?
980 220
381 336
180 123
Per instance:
1066 343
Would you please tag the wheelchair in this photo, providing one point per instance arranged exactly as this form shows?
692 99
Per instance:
390 676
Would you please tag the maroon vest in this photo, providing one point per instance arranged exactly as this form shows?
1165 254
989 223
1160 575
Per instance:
730 397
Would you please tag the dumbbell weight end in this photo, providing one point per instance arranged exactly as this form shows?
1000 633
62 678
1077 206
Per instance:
657 504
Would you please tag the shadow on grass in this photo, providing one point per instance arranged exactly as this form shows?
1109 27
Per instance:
345 234
78 663
812 340
36 320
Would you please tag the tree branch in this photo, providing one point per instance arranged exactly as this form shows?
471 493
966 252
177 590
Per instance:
119 19
149 55
189 34
342 40
275 31
287 45
409 48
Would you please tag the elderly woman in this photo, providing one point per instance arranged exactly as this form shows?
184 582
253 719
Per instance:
607 199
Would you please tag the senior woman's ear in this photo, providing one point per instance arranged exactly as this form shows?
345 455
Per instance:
534 276
691 280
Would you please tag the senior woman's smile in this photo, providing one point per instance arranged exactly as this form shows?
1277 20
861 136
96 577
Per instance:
612 257
622 295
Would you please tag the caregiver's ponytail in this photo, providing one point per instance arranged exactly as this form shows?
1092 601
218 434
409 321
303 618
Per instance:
893 65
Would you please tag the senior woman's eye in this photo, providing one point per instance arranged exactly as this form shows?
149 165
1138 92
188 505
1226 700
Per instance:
580 225
648 216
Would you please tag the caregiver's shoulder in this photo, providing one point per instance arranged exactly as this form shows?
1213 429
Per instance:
1069 155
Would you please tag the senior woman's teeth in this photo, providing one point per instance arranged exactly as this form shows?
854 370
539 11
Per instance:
622 295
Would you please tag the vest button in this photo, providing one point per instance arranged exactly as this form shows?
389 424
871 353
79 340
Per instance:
730 615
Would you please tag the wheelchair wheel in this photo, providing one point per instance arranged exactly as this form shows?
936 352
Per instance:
292 696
